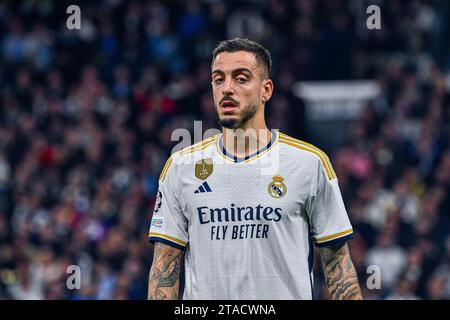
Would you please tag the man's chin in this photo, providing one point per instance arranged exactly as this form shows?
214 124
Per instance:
228 123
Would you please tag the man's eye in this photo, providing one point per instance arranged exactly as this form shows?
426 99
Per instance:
241 80
218 80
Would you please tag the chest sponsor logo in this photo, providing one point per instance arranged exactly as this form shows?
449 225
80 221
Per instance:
236 222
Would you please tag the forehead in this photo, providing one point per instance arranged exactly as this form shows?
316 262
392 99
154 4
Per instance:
229 61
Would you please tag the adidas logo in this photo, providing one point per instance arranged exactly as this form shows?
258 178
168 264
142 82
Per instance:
203 188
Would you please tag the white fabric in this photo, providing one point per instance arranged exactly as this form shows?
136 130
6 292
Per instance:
262 247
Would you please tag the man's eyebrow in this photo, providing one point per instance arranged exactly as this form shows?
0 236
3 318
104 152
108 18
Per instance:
238 70
217 71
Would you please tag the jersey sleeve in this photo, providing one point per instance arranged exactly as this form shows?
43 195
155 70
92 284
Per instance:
329 222
169 224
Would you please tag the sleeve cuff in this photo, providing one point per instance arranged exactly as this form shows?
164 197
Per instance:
338 237
171 241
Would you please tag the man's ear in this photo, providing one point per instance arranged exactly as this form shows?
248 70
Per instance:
267 90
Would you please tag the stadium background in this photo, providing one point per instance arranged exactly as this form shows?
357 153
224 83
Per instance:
86 118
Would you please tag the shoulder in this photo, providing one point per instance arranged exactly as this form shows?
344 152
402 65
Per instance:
301 147
188 154
197 147
306 152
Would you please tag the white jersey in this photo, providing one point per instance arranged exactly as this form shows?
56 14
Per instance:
247 225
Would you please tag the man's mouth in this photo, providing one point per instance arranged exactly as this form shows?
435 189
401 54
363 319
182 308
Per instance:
228 106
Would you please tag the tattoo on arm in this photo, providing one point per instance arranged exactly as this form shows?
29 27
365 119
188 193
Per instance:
165 272
340 273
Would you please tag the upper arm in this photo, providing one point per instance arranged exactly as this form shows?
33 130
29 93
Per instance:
169 225
339 271
329 222
165 255
162 250
164 275
334 252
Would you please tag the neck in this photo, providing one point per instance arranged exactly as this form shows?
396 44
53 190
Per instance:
247 140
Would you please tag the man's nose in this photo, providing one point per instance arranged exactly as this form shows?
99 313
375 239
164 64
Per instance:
228 87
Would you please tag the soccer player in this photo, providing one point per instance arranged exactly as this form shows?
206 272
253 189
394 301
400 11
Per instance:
244 233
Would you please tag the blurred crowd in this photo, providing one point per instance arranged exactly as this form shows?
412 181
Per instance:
86 118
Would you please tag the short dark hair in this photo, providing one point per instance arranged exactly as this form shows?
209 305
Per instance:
262 55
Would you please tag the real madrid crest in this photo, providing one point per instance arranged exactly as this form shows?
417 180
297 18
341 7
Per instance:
203 168
277 188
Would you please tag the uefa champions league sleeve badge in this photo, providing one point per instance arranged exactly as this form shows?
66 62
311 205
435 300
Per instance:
277 188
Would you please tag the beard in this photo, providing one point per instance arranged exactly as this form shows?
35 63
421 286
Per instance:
234 123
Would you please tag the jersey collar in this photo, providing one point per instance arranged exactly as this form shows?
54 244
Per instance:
258 153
